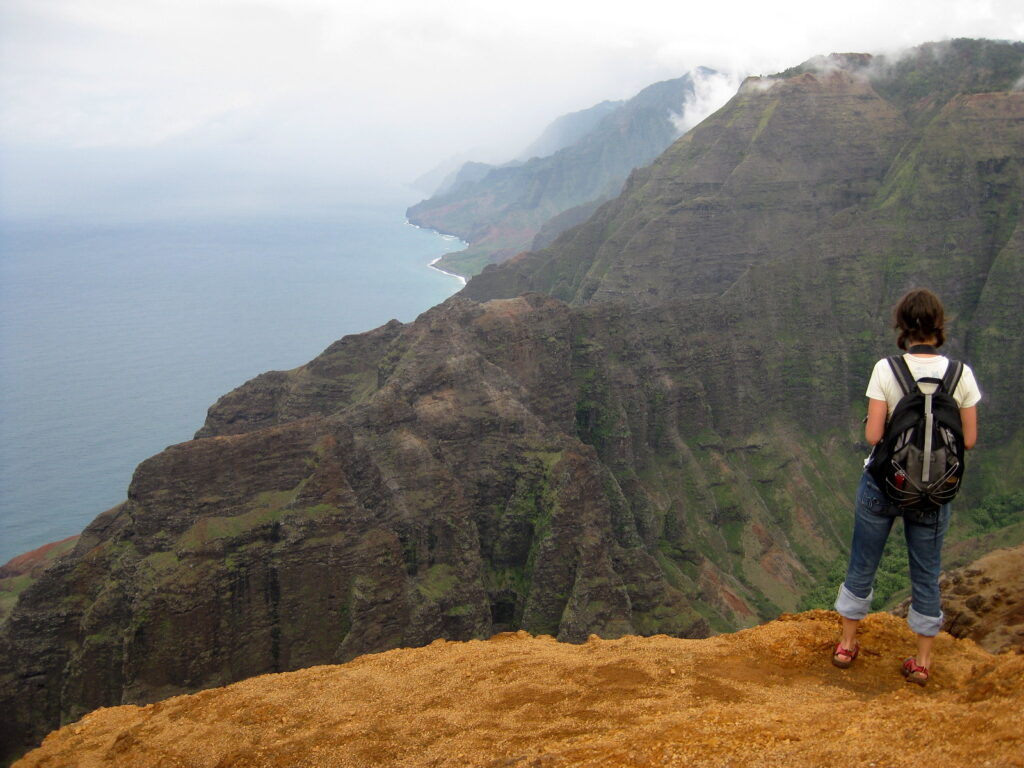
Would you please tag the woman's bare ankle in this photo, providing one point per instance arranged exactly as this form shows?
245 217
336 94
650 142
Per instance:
848 640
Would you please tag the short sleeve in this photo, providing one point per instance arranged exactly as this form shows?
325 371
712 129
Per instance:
884 386
876 385
967 393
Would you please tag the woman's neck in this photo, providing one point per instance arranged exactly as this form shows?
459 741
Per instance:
929 342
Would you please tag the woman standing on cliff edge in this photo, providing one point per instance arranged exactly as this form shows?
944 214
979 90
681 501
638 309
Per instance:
919 318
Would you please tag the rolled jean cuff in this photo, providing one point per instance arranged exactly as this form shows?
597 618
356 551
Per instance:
852 607
928 626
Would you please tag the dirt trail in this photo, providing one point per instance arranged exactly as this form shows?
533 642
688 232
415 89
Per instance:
767 696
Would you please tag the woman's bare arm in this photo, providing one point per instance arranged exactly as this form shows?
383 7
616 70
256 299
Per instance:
874 428
969 422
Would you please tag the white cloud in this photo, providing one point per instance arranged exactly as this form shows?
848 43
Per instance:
335 88
711 90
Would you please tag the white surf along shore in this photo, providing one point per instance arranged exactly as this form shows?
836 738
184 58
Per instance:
445 272
433 264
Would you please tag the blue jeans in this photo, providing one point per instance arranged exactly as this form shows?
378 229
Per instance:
924 548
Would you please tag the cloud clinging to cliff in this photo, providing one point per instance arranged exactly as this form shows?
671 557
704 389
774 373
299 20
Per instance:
345 91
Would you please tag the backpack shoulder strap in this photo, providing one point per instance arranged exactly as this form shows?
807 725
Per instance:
901 371
954 371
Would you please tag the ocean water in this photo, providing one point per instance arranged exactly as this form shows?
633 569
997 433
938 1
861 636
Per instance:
114 340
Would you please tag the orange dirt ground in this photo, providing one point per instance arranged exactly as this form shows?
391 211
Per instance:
766 696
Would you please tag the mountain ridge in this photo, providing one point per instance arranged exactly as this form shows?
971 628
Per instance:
499 209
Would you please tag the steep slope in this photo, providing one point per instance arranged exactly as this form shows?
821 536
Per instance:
748 190
498 212
310 527
663 439
767 179
813 201
984 601
764 697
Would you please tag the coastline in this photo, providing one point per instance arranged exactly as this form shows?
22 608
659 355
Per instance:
444 272
196 351
446 236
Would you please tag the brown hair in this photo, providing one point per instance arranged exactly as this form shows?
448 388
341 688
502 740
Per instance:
919 316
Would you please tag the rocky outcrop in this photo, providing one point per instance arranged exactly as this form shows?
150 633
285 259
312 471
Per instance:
984 601
764 697
652 426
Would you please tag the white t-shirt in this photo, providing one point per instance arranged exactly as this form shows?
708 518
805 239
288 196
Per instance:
884 386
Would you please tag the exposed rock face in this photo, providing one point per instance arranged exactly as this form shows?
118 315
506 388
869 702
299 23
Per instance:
429 485
764 697
498 211
985 601
662 438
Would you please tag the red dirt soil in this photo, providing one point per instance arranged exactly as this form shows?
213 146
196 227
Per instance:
766 696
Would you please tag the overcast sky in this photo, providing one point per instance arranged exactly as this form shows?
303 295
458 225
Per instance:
206 103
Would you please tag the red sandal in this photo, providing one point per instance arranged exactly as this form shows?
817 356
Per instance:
843 657
914 672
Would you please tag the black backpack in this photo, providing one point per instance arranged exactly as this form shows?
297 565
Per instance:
919 462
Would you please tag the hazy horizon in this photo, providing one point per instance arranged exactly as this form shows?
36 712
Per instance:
118 109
